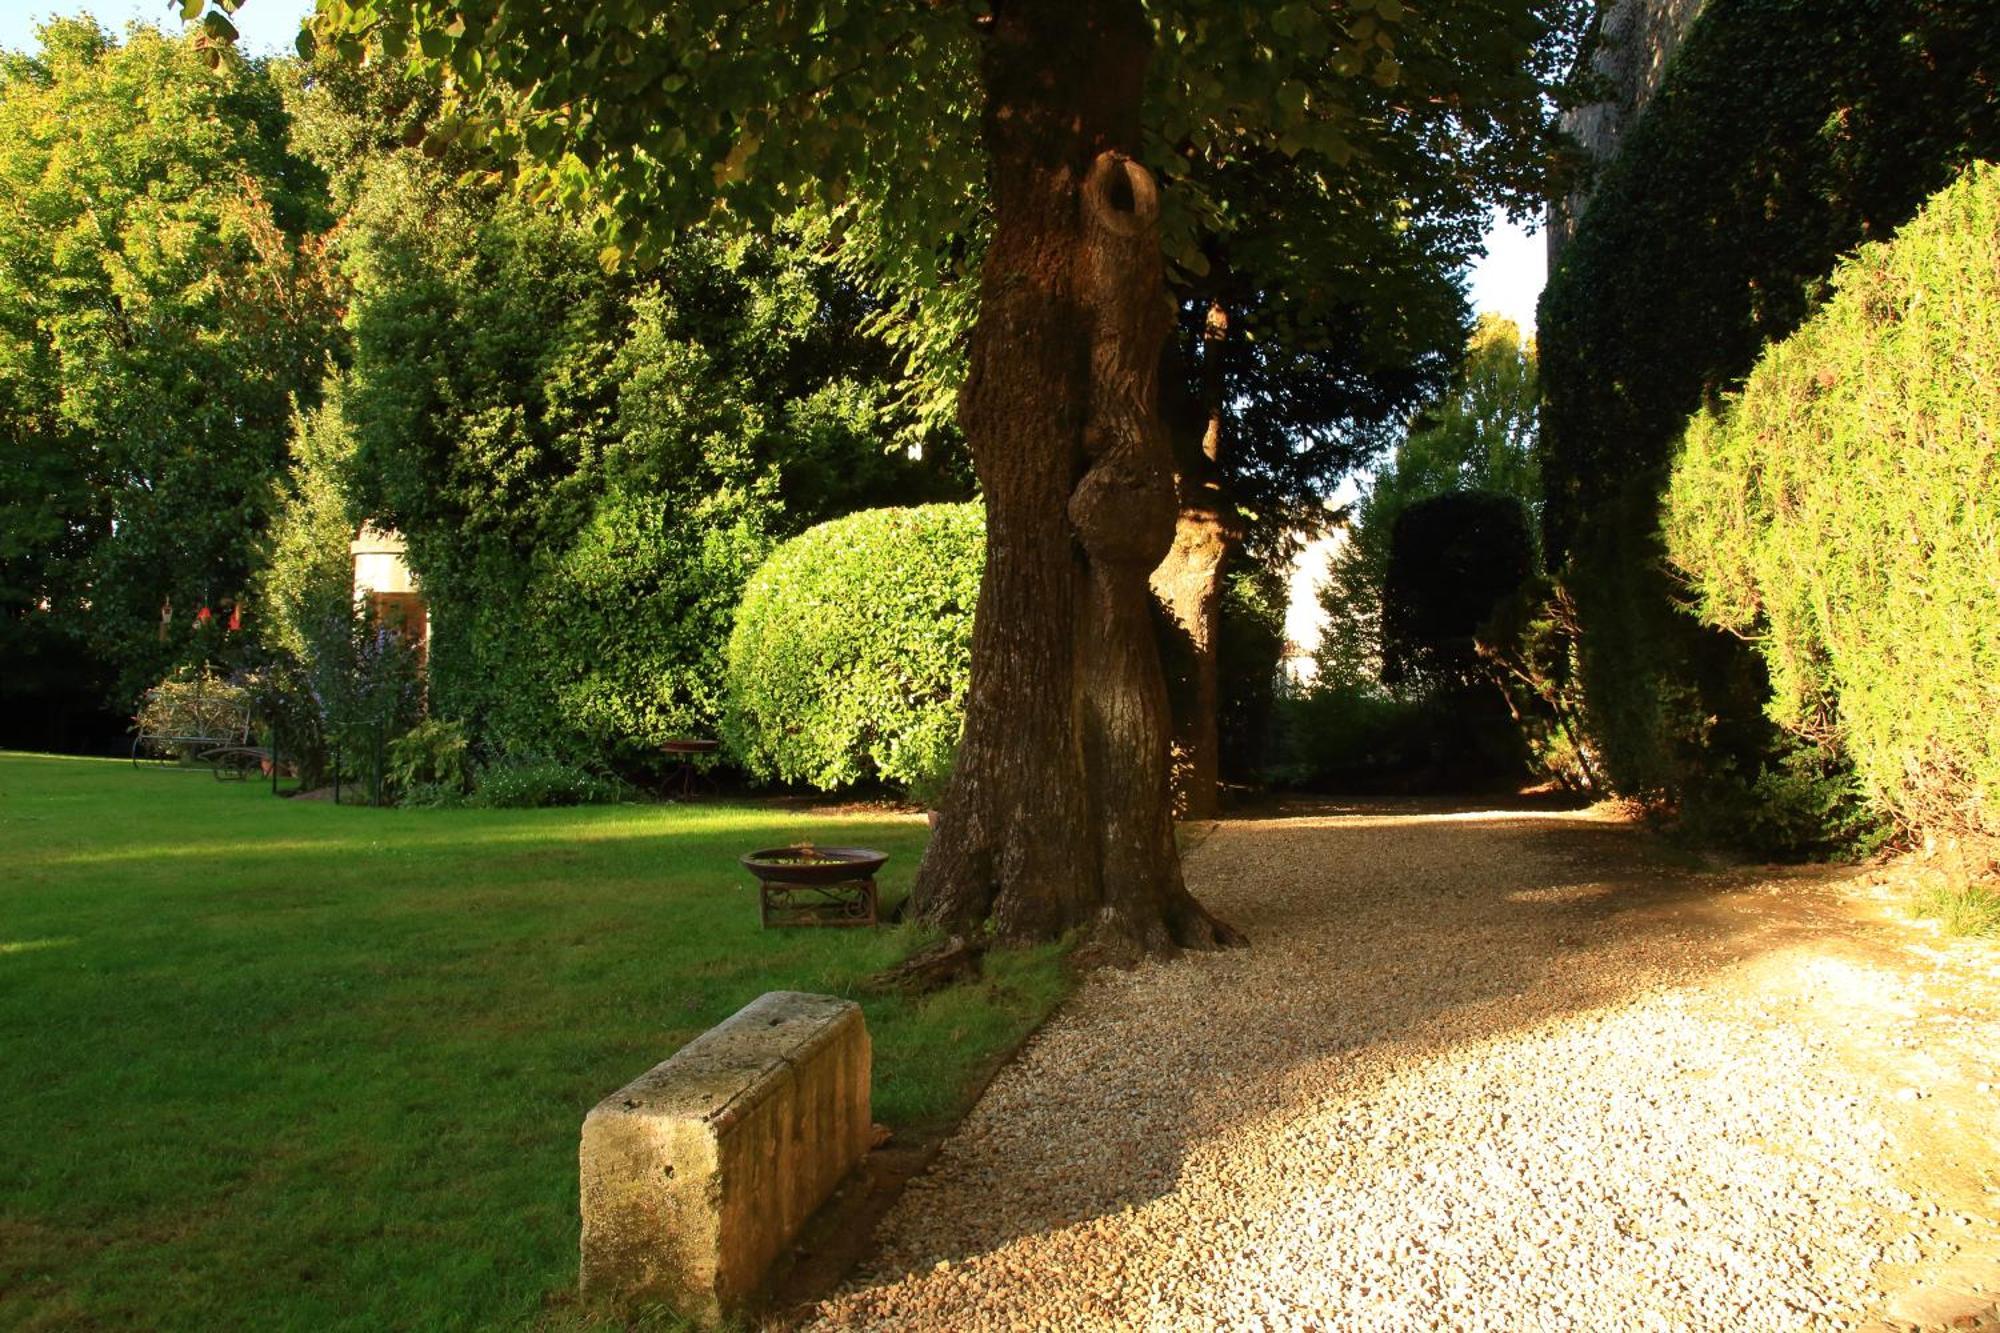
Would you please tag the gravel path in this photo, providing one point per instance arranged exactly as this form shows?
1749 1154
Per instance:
1505 1071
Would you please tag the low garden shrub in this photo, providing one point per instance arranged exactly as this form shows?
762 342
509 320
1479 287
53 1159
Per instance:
528 784
428 762
1840 514
852 647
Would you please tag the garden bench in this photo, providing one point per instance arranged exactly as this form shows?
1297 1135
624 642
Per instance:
201 723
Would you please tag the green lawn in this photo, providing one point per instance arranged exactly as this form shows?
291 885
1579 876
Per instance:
271 1064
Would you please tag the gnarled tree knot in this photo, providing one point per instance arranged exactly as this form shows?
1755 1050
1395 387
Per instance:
1120 194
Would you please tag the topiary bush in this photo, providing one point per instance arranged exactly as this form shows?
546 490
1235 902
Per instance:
1453 560
852 648
1840 514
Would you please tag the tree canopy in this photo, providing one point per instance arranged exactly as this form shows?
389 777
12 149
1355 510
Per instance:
162 304
648 116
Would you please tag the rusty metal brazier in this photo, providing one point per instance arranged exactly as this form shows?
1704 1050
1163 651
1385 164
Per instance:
815 886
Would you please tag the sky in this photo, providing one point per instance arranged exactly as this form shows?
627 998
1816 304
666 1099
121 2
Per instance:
1510 278
266 25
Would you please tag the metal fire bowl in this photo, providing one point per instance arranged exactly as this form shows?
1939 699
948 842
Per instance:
830 865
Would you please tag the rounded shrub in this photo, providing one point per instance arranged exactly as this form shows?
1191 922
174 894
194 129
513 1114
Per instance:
852 648
1840 513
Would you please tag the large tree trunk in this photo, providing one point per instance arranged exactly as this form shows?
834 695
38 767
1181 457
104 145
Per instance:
1188 583
1057 815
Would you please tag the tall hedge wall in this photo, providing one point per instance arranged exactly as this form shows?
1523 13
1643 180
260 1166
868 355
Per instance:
1842 513
1785 133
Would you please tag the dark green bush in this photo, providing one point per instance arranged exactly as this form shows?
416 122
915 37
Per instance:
1785 133
429 760
1355 738
1840 515
852 647
1250 640
1453 560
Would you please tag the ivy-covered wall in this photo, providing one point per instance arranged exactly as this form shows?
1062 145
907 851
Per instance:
1785 133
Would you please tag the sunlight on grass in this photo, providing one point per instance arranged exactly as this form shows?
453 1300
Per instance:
409 831
285 1064
1967 909
30 946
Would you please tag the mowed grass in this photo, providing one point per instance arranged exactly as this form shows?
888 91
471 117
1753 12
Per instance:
269 1064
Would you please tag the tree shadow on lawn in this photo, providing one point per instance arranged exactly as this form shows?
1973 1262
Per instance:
1433 932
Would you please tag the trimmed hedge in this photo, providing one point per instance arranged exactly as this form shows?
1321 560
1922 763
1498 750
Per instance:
1454 559
852 648
1842 514
1785 133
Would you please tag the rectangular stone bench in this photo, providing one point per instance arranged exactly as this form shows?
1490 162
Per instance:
698 1173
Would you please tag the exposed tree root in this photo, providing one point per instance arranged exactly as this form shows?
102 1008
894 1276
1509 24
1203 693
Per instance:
943 964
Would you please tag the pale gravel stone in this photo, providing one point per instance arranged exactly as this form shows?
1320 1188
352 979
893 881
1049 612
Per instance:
1477 1072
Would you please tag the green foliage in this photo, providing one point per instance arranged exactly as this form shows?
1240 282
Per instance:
530 784
1806 801
852 647
1250 640
1528 648
305 573
930 776
1344 737
1454 559
1327 173
367 681
756 108
1965 909
356 1044
1431 599
430 757
161 307
1837 515
305 623
1359 739
586 466
1784 134
1479 436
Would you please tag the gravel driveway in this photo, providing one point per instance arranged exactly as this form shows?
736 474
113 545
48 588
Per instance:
1478 1070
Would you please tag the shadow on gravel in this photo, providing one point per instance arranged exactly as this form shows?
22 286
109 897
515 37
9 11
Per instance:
1260 809
1429 929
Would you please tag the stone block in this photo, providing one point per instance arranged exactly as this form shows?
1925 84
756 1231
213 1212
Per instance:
698 1173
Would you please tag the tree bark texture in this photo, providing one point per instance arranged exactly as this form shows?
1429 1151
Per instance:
1188 582
1058 815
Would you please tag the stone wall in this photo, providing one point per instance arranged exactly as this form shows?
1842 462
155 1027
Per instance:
1630 47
